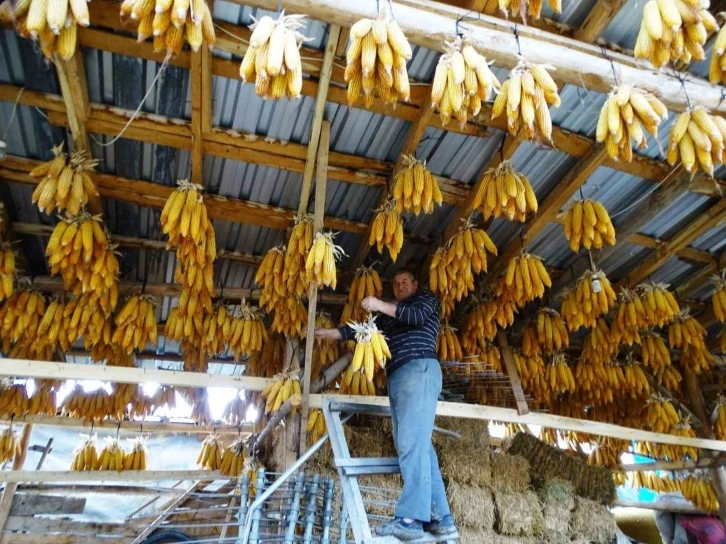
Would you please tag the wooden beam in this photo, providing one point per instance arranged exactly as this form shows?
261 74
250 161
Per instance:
550 207
508 415
705 221
154 195
161 427
667 465
320 100
410 144
676 506
429 24
519 398
6 501
696 281
55 285
200 77
598 19
138 243
320 189
117 374
46 476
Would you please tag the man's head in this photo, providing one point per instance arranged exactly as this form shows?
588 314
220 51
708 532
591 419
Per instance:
404 283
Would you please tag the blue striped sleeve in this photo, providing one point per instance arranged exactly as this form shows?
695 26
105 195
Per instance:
415 311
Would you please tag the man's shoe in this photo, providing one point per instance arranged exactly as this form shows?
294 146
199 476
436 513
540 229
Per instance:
400 529
441 527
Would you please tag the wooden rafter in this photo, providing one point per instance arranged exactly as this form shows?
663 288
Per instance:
702 276
200 76
597 21
320 100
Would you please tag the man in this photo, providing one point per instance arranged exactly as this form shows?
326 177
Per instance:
411 326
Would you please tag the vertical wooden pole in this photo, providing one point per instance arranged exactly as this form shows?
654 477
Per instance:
320 183
519 398
6 501
718 474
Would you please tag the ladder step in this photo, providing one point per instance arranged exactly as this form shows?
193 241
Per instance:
428 537
361 466
336 406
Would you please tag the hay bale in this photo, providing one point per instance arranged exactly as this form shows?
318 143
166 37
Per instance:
558 501
474 536
518 514
510 472
592 522
472 507
490 537
548 463
474 432
464 465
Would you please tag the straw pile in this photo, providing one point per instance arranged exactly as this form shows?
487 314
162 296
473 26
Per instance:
548 463
510 473
472 507
465 465
592 522
518 514
558 502
474 432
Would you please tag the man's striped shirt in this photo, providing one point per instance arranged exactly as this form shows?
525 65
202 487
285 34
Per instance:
412 333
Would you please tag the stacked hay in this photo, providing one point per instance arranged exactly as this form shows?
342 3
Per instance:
548 463
474 432
472 507
592 522
465 465
558 501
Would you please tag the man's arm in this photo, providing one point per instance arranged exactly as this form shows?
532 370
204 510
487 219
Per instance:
409 312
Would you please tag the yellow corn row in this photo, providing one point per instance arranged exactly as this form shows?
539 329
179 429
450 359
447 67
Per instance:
247 331
136 323
599 346
233 459
697 140
136 458
320 262
559 376
628 113
479 325
9 445
216 330
719 296
660 306
700 492
629 318
653 351
588 224
290 317
273 58
462 82
316 425
547 334
591 297
93 406
268 361
7 270
524 280
269 277
85 456
505 193
387 229
376 62
685 330
286 386
673 31
660 414
366 283
448 347
415 189
525 8
111 456
325 352
298 247
526 97
111 354
13 400
43 401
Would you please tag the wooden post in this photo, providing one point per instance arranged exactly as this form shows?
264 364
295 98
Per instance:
6 501
320 186
718 474
201 106
522 407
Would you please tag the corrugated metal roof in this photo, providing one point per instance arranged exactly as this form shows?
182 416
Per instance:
681 211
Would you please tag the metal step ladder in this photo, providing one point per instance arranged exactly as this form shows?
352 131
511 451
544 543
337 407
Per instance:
350 468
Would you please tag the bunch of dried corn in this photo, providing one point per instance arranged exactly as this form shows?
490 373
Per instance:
320 262
448 347
136 323
247 333
546 335
387 229
65 182
587 223
285 386
298 248
697 140
653 351
525 279
217 329
233 459
505 193
525 8
111 456
92 406
85 456
7 270
269 277
591 297
415 189
136 458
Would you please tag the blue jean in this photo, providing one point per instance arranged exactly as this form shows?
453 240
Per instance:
414 390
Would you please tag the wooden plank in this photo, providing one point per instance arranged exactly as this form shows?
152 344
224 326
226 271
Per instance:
550 207
161 427
508 415
674 506
429 24
39 526
200 77
705 221
320 190
667 465
320 100
116 374
522 407
696 281
154 195
27 504
598 19
140 243
6 501
47 476
30 538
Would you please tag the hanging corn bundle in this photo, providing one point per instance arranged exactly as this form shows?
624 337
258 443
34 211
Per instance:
587 223
136 323
91 406
165 396
525 97
235 412
559 376
718 299
653 350
50 331
111 456
290 317
85 456
376 62
43 401
21 314
699 490
674 30
697 359
387 229
659 305
718 418
697 140
505 193
660 414
354 382
686 330
479 325
591 297
298 248
83 317
9 445
247 332
285 386
7 270
415 189
320 262
65 182
717 66
448 347
217 330
268 362
269 277
603 456
366 283
629 319
670 378
233 459
325 351
170 22
136 457
546 335
371 348
599 346
121 396
527 8
199 399
628 113
672 452
316 425
111 354
525 279
462 82
273 58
